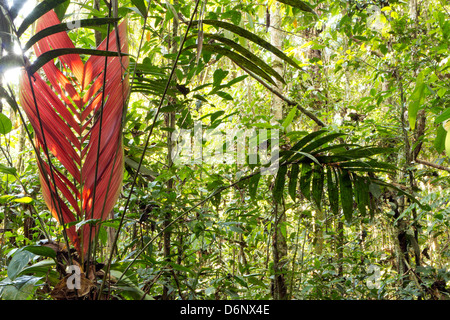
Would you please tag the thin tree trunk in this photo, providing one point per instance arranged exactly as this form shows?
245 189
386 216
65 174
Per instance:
170 123
279 245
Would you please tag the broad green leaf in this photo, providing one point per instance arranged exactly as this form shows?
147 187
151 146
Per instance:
295 170
305 180
5 124
42 267
439 142
8 170
18 262
279 184
18 289
218 76
70 25
346 192
41 251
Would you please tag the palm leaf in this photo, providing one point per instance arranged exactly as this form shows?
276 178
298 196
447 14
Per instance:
40 10
66 27
80 127
252 37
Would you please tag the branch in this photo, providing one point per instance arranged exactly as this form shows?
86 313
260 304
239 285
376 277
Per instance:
434 165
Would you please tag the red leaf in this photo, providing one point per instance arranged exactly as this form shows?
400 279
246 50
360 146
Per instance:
68 108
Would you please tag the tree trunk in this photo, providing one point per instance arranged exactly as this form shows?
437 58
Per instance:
279 246
170 123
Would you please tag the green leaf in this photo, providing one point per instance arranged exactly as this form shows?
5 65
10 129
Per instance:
240 60
305 180
39 10
445 115
306 155
321 141
447 144
18 289
253 185
333 190
279 184
19 261
8 170
364 152
346 191
50 55
70 25
295 170
40 268
361 194
298 4
247 54
252 37
11 101
317 185
24 200
298 145
140 5
218 76
41 251
181 268
400 191
439 141
416 100
6 198
127 286
143 170
289 117
61 9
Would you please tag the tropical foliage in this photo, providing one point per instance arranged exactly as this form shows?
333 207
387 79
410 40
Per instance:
222 149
